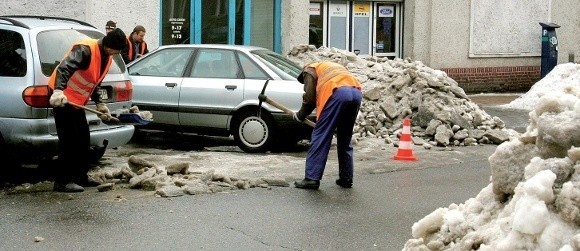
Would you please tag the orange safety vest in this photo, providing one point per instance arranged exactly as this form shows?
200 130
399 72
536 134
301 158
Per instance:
82 83
130 43
331 76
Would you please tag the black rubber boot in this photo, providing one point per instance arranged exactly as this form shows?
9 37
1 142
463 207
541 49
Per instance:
346 183
307 184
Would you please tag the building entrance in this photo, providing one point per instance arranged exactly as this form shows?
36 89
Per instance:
363 27
386 30
243 22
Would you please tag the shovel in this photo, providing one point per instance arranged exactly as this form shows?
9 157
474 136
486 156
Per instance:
264 98
125 118
273 103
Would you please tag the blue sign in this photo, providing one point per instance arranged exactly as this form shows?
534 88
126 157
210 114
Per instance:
386 11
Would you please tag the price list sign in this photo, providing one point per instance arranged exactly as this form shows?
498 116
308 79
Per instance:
175 21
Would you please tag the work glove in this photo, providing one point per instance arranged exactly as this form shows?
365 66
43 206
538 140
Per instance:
102 107
296 118
57 99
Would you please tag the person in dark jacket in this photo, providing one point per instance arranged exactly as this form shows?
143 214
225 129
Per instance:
110 26
336 95
76 79
136 45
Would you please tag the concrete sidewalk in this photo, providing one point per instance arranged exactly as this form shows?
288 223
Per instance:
493 99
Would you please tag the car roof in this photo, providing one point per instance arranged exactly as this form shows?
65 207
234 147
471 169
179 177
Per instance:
31 22
246 48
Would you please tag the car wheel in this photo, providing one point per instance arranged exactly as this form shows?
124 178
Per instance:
95 155
7 158
97 152
254 134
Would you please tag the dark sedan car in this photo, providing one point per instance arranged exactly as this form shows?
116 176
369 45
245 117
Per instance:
213 90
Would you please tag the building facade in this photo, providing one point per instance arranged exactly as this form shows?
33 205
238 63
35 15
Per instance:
485 45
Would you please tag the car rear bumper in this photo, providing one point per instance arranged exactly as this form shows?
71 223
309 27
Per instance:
117 136
32 136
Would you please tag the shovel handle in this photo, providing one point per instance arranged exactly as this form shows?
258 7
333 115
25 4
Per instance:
94 111
287 111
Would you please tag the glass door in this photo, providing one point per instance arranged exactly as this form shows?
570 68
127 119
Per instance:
316 24
386 23
338 25
361 28
262 24
218 26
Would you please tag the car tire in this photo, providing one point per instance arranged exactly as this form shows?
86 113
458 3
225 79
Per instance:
95 155
254 134
8 159
138 135
97 152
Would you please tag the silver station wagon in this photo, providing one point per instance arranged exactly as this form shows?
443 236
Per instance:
213 90
30 49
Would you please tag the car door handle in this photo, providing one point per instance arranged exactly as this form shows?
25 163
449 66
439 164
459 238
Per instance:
231 87
171 85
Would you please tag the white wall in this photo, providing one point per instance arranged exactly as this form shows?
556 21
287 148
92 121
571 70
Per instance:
566 13
437 32
95 12
74 8
295 20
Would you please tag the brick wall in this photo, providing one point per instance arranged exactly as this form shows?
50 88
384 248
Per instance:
495 79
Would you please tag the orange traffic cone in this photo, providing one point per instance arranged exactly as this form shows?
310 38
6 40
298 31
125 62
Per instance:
405 151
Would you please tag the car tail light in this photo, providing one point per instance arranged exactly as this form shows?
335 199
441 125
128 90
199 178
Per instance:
37 96
123 91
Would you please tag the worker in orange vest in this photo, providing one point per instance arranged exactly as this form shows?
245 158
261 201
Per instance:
136 45
336 95
76 79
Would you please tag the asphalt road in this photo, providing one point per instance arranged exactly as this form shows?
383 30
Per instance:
377 214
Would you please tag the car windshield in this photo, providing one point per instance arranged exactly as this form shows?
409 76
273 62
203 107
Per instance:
53 44
285 68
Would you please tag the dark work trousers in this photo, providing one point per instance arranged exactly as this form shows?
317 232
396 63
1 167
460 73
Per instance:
73 143
339 114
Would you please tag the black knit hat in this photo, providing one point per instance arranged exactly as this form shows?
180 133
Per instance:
115 40
111 25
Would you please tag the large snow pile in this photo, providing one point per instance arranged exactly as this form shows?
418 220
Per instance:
533 200
560 79
442 114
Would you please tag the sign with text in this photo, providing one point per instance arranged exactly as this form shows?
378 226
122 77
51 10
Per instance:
362 9
337 9
314 9
387 11
175 22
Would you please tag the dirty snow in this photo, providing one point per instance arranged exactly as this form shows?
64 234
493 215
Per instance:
533 200
560 80
442 114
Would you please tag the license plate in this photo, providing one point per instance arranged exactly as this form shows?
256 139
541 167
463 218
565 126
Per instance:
103 94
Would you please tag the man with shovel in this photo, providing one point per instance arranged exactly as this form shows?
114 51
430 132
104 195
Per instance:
336 94
75 80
